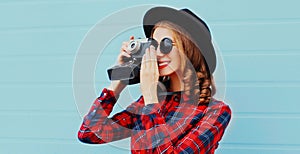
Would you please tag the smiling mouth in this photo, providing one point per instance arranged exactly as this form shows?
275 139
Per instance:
163 64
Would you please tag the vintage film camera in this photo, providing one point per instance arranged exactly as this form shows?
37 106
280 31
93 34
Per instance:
129 72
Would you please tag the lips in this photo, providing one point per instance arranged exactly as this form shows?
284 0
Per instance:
163 64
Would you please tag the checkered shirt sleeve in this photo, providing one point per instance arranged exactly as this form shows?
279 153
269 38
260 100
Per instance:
97 128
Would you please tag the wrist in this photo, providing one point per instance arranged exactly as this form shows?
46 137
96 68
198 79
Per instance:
117 87
150 100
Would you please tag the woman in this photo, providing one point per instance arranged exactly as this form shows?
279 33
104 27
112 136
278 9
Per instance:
182 118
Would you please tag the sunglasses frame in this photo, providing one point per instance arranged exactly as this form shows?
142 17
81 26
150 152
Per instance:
162 48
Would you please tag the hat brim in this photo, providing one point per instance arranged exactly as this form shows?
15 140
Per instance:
196 28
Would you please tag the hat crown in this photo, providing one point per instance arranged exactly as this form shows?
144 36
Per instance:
195 16
191 23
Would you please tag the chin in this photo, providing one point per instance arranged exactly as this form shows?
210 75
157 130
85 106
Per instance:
166 72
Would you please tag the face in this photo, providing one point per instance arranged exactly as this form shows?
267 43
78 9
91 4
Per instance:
169 63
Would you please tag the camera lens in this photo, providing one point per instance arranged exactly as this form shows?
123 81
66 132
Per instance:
132 45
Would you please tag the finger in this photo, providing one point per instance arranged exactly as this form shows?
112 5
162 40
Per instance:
154 65
125 54
152 53
151 59
124 47
153 56
147 58
143 67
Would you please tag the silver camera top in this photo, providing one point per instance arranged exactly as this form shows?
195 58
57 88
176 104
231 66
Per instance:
135 45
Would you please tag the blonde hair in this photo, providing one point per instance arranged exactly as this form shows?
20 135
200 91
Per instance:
198 81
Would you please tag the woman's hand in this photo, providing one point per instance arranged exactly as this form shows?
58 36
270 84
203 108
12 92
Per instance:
149 76
123 52
117 86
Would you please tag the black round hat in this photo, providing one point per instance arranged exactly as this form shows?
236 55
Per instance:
191 23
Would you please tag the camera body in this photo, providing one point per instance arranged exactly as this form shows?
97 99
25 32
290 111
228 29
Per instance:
129 72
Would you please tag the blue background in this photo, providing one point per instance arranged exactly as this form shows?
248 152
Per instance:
259 41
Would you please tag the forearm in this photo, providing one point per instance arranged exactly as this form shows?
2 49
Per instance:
97 128
117 87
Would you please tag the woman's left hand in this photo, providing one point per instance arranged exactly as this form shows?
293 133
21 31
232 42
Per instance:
149 76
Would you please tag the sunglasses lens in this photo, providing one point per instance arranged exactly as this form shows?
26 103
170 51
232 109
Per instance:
166 46
153 42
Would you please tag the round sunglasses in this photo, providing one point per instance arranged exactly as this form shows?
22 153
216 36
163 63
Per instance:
165 45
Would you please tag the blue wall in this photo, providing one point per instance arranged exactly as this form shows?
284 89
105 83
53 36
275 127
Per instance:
259 41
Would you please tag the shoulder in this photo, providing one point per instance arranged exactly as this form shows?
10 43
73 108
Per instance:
217 113
217 104
219 108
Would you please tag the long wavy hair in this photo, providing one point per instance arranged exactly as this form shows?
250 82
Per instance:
198 81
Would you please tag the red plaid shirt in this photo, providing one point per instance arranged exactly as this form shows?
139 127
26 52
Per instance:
174 125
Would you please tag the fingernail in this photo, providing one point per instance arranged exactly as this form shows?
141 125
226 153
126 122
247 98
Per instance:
152 47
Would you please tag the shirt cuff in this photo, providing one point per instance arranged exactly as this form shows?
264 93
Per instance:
151 108
106 93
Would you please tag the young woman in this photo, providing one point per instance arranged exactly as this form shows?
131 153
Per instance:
182 118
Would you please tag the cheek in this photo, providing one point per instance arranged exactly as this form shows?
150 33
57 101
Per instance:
175 62
176 58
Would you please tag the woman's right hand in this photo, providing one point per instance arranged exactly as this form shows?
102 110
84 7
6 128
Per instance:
117 86
123 52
